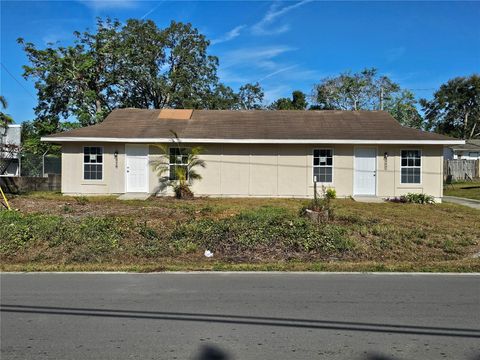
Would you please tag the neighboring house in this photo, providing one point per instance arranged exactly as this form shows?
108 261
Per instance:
468 151
10 141
256 153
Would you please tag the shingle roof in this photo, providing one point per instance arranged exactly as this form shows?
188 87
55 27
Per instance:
252 124
469 145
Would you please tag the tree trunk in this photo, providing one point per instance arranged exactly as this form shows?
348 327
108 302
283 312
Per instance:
465 126
98 106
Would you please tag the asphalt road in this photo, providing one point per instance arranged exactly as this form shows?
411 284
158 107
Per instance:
239 316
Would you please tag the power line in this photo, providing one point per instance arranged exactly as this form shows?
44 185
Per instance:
18 82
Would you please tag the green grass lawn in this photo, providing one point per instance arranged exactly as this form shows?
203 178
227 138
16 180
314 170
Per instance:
51 232
469 190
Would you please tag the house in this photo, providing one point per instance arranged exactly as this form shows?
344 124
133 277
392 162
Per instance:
10 141
256 153
468 151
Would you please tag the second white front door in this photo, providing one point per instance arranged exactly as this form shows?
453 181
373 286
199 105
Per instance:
365 171
136 168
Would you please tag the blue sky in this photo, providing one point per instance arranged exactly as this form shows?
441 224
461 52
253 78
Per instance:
283 45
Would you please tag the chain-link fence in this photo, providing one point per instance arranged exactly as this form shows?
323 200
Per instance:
34 165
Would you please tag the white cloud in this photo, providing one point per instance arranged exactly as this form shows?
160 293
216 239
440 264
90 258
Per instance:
109 4
232 34
151 10
254 57
263 27
276 72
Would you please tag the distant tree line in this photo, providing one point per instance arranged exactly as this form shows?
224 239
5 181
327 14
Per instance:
140 65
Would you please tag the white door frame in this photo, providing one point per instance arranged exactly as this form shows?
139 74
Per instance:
355 148
147 185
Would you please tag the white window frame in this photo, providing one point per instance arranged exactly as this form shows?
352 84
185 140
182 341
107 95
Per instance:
174 164
102 163
314 166
410 167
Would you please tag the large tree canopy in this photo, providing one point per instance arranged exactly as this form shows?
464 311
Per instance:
131 65
403 107
455 108
297 102
367 90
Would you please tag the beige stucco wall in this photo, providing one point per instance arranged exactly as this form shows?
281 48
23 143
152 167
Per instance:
113 172
261 170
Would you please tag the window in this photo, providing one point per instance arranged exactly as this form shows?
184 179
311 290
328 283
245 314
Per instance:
411 166
92 163
323 165
178 158
474 154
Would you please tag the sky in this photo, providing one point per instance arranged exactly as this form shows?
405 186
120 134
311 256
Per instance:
283 45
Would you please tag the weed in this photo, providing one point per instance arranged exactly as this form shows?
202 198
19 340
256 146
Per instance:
81 200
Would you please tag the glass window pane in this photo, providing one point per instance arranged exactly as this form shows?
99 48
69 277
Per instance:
172 174
316 161
316 153
329 161
328 174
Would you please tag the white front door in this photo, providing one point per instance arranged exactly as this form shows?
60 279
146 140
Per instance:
136 168
365 171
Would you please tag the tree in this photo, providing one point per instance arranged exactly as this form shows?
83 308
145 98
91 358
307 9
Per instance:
131 65
298 102
5 119
402 107
359 91
455 108
250 97
223 98
178 170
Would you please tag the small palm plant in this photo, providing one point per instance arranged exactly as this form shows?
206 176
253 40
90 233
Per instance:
176 167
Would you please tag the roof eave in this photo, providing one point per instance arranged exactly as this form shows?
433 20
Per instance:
61 139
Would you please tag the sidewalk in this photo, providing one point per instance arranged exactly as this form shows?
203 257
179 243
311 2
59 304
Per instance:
475 204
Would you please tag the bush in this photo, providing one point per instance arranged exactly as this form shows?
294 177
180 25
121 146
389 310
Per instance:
266 229
331 193
414 198
68 238
419 198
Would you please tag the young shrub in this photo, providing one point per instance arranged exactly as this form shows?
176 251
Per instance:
331 193
419 198
320 206
413 198
183 173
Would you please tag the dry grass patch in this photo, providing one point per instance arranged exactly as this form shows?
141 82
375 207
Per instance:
469 190
51 230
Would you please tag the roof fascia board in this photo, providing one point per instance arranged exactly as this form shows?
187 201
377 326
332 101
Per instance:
251 141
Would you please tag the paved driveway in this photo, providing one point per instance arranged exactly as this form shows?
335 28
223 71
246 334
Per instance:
462 201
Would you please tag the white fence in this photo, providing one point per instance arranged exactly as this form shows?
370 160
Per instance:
462 169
